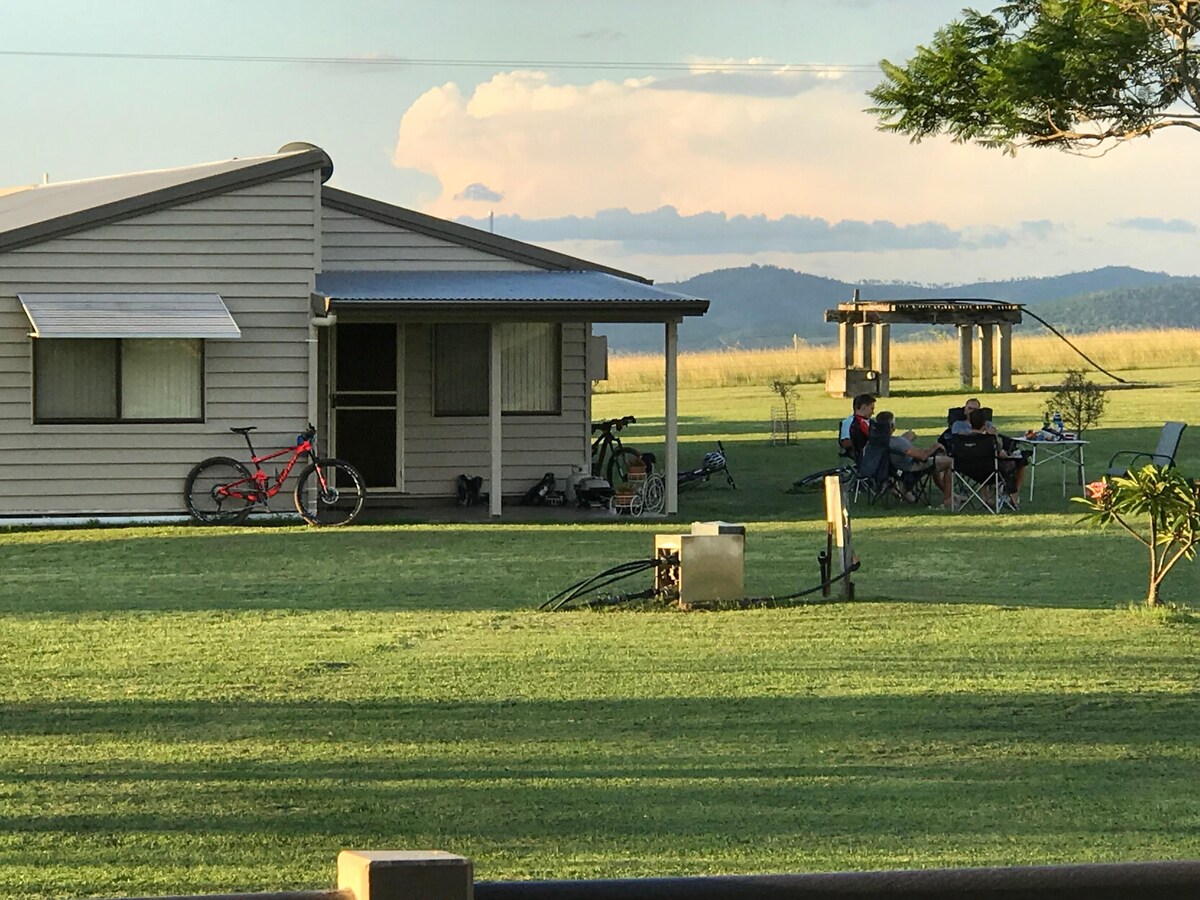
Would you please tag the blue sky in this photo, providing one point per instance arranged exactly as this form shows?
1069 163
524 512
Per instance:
666 138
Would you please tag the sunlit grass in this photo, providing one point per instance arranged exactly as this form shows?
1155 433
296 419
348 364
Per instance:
189 710
1033 356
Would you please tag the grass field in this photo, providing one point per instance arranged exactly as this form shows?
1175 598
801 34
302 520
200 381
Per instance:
1035 357
190 710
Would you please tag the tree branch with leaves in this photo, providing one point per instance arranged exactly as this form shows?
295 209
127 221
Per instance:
1079 75
1159 508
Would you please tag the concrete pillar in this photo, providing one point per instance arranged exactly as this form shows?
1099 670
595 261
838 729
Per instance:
863 340
845 345
964 355
882 359
1005 356
671 417
985 361
404 874
495 419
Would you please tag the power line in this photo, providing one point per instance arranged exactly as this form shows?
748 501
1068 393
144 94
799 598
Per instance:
400 61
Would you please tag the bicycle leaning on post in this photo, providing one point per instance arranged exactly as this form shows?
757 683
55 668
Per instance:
222 491
611 460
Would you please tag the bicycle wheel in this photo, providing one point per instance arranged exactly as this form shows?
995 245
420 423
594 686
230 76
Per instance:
811 484
654 493
329 492
618 466
205 491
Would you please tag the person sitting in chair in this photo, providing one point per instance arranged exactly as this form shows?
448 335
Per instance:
913 460
856 427
963 425
1012 467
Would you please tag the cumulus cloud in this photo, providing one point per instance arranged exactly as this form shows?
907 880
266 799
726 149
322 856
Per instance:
479 192
644 145
1149 223
665 231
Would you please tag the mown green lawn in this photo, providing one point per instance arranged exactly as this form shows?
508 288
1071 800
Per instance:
188 710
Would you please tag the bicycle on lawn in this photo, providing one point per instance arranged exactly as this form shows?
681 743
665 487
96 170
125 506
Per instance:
222 491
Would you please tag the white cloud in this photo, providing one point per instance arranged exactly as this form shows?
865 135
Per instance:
555 150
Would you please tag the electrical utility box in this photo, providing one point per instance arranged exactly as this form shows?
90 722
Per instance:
711 563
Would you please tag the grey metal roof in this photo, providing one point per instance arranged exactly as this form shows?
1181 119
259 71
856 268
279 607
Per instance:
44 211
129 316
464 235
585 292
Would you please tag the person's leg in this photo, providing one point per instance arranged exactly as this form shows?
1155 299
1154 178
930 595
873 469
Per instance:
943 477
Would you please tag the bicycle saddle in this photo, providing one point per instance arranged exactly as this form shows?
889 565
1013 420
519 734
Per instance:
244 430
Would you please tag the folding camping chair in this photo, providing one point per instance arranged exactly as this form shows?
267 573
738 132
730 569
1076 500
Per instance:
880 479
1163 455
977 471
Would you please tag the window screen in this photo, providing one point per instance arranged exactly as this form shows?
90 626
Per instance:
530 367
118 379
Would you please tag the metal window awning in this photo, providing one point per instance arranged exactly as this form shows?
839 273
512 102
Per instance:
129 316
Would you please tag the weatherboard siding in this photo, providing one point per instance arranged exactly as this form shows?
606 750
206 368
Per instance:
256 248
437 449
351 242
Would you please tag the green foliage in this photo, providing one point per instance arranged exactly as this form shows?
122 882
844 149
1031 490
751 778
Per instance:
1079 400
1074 74
1158 507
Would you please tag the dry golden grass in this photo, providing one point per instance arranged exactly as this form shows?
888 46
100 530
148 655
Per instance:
1124 351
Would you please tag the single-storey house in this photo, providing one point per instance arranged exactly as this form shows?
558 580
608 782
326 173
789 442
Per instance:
143 315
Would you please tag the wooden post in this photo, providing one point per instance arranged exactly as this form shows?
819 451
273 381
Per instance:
964 354
1005 356
882 361
670 389
837 521
495 419
404 874
985 360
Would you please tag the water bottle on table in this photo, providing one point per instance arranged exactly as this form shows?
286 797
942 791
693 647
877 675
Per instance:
1058 422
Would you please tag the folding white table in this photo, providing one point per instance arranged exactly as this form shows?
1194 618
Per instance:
1068 453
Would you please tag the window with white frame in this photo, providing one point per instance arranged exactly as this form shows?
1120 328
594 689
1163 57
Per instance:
530 368
82 380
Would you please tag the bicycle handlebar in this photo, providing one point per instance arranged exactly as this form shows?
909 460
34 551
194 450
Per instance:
610 424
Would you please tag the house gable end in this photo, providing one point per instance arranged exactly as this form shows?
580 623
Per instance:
60 222
464 235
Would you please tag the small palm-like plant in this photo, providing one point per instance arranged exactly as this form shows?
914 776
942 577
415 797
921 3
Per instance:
1158 507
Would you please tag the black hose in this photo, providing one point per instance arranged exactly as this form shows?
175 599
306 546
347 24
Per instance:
770 601
595 586
1063 338
615 573
591 578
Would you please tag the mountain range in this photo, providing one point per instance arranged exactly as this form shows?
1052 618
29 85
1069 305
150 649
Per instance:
764 306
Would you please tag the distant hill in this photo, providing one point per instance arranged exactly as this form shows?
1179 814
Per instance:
763 306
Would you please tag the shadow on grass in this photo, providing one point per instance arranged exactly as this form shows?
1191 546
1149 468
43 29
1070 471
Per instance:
922 557
974 765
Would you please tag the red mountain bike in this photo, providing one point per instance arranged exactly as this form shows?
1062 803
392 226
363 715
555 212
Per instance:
222 491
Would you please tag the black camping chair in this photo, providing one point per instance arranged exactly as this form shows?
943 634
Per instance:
874 475
1163 455
879 478
977 471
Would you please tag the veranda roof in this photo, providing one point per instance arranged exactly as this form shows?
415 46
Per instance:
592 296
